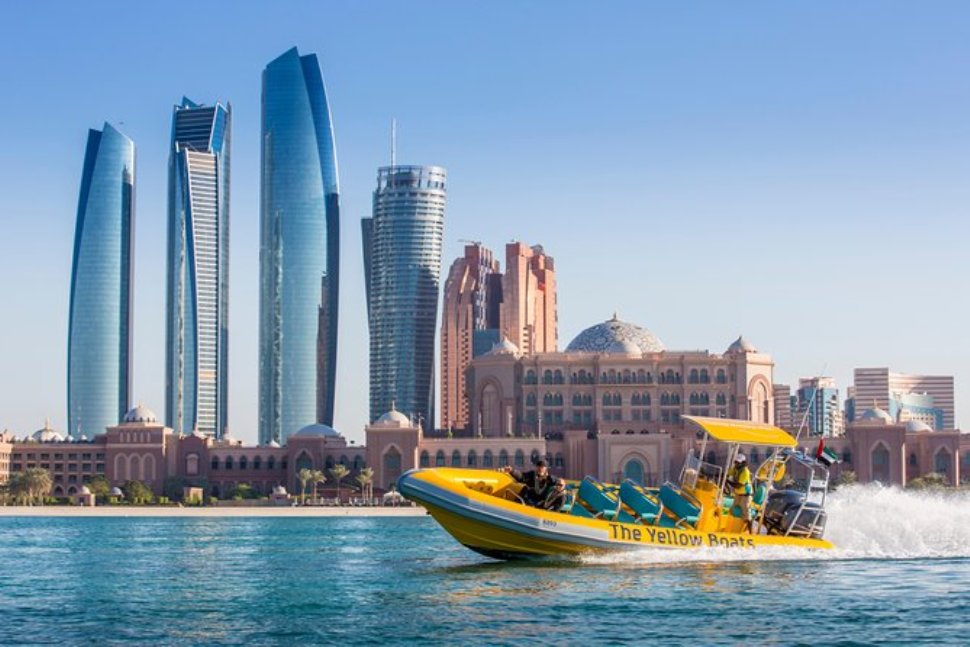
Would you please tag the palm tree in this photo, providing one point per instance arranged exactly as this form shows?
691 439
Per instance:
317 478
366 480
339 471
304 476
36 483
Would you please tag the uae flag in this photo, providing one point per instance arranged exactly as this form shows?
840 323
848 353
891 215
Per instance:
826 455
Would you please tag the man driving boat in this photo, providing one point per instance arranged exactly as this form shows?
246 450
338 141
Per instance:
739 478
542 489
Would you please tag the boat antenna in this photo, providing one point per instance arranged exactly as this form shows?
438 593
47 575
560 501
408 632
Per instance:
804 421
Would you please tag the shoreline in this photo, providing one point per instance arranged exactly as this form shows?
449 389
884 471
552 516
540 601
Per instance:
210 511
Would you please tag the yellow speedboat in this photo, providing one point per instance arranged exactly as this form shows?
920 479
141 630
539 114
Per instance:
482 508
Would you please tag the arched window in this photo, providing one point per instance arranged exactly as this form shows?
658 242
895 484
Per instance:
847 456
329 463
913 460
192 465
425 459
215 463
577 399
669 377
547 376
228 462
439 458
941 462
519 459
535 456
503 458
243 462
472 458
612 376
358 463
392 466
271 463
557 377
487 458
645 399
705 376
343 461
693 377
635 400
257 462
456 458
633 470
607 399
530 377
627 376
304 462
530 400
880 463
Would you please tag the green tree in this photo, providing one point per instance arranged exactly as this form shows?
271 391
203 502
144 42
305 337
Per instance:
99 485
173 488
241 491
846 477
338 472
317 478
366 480
304 476
33 484
931 481
137 492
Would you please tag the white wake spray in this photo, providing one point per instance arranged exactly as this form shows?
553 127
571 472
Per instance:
864 522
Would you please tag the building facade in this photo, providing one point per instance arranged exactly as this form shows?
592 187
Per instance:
469 325
817 403
892 392
299 249
99 341
197 326
402 259
529 317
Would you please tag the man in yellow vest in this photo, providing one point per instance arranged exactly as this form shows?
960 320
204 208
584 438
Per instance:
739 478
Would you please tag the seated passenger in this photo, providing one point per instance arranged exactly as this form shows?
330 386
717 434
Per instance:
542 489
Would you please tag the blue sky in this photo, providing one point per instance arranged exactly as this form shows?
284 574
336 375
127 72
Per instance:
794 171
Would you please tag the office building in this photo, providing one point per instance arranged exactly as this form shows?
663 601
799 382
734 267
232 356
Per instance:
402 260
299 253
99 339
197 328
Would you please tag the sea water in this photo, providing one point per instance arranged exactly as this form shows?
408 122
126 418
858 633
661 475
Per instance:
900 575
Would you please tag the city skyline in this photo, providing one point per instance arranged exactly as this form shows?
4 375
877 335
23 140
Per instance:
727 160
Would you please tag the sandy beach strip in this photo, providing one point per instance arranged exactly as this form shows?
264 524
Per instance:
210 511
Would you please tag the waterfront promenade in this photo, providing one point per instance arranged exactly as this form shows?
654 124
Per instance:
210 511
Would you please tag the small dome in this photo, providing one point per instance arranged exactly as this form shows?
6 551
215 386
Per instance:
877 415
279 490
624 347
318 430
603 336
741 345
504 347
139 415
917 425
47 434
273 444
116 491
393 418
85 489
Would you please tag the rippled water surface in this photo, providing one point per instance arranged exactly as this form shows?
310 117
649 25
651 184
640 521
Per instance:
901 575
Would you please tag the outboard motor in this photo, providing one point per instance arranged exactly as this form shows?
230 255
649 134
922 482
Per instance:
788 512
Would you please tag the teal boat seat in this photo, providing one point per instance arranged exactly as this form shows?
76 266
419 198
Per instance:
606 505
675 502
647 507
577 510
760 492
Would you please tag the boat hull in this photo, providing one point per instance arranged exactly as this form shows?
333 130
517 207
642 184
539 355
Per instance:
508 530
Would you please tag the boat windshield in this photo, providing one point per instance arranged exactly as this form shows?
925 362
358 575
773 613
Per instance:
694 467
804 474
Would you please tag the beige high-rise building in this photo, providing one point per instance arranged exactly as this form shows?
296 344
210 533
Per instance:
469 326
528 314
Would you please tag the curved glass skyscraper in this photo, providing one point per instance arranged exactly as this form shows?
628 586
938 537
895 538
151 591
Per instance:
402 262
196 340
299 250
99 327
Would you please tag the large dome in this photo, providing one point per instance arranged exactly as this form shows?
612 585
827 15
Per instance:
141 415
318 430
610 336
